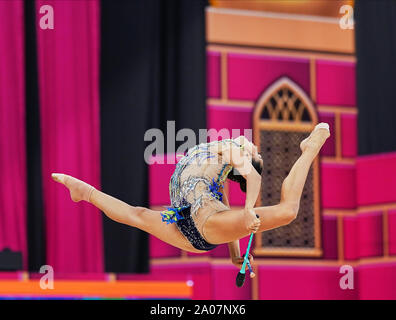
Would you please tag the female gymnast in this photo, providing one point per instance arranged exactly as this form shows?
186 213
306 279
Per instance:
200 217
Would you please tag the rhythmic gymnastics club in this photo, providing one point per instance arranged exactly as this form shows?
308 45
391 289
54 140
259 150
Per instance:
240 278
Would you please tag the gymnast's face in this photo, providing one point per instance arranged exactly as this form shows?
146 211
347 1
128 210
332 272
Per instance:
250 148
256 156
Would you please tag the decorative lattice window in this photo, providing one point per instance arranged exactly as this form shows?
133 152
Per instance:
282 118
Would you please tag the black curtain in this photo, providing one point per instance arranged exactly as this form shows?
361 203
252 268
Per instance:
35 222
375 34
152 71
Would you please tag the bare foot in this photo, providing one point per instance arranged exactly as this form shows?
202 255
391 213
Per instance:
79 190
317 138
252 223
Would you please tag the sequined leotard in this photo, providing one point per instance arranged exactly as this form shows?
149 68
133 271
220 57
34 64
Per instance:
195 184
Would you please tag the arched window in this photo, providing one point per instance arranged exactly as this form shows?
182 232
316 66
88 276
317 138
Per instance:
283 116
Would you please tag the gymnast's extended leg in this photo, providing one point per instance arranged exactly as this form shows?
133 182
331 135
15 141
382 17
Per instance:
142 218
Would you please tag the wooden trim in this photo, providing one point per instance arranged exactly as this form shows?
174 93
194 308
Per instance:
321 10
317 218
287 252
312 78
339 109
255 284
249 104
224 75
340 238
275 261
230 103
377 207
334 160
187 259
289 53
286 126
339 212
338 135
385 233
360 210
277 31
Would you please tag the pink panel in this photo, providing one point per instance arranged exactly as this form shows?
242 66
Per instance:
213 82
377 281
349 135
159 177
392 231
338 186
249 75
160 249
157 276
11 275
328 148
243 243
222 250
84 276
230 118
370 234
376 176
335 83
236 196
329 237
203 254
351 238
224 287
301 282
199 273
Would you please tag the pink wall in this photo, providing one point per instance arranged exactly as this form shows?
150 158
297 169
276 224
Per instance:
392 231
160 249
213 75
13 188
329 237
370 238
328 149
351 237
302 283
377 281
363 235
376 175
349 135
160 172
249 75
337 182
345 186
335 83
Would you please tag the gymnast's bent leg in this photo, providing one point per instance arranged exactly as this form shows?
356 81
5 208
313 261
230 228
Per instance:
228 226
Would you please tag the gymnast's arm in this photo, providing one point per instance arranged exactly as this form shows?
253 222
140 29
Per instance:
240 161
233 247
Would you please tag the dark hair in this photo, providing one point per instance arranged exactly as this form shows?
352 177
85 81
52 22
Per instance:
234 175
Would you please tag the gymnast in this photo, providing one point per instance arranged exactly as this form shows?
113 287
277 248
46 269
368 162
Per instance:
200 217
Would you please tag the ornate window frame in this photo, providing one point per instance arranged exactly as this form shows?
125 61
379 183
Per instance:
295 125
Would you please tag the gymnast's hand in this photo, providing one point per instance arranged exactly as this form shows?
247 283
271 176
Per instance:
238 261
252 222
